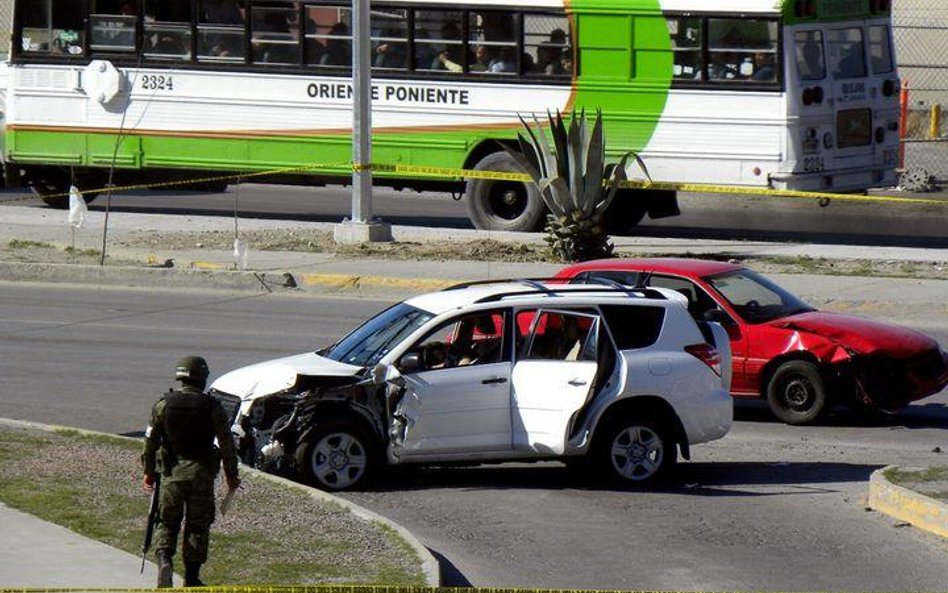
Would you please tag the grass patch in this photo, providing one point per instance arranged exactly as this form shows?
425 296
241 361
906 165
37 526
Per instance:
914 476
29 244
272 535
82 252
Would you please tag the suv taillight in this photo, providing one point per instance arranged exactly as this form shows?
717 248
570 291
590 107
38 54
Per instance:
707 354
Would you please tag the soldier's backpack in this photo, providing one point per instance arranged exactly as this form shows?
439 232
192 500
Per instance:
188 426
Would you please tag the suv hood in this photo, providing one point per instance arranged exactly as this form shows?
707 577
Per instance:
277 375
861 335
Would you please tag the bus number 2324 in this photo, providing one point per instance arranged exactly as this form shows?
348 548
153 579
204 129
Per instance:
157 82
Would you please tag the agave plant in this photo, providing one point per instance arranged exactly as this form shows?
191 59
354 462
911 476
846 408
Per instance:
575 182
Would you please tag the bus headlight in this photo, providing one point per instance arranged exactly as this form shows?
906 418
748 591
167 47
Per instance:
880 135
889 88
828 140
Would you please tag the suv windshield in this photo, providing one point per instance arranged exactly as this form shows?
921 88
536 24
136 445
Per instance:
755 298
377 336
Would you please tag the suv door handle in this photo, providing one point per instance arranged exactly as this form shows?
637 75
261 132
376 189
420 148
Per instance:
576 382
494 380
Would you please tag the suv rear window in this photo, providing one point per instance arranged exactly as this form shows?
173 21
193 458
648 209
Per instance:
634 326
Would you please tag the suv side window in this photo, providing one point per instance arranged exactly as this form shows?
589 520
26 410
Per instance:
634 326
559 335
698 300
471 339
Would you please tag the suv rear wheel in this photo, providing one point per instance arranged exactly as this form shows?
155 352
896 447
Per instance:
636 451
336 457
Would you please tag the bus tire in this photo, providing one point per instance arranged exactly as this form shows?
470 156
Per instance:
499 205
53 188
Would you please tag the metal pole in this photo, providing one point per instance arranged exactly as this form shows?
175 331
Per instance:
361 113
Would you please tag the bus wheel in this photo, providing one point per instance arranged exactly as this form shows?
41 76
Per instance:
499 205
53 188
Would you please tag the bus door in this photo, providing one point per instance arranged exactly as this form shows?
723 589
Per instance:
852 92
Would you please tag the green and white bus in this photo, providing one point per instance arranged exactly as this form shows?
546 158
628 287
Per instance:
785 94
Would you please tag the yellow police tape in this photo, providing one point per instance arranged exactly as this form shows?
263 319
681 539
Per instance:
461 174
322 589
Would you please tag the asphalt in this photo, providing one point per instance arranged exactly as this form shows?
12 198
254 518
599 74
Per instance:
34 553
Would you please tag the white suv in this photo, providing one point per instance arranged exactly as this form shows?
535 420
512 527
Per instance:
614 377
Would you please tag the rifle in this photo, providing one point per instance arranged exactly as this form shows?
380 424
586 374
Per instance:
152 520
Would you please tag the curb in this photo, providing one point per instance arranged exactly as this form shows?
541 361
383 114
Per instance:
204 275
907 505
429 565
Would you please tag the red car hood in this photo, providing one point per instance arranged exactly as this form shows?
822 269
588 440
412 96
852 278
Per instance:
862 335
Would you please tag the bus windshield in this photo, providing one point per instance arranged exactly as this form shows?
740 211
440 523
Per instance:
846 53
809 53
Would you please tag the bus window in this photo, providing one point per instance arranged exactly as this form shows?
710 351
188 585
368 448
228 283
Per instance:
275 33
685 35
846 53
112 25
809 54
328 40
167 29
438 42
742 49
390 39
220 31
493 35
50 27
547 46
880 53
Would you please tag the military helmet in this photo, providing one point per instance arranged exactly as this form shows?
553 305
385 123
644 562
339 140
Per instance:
191 369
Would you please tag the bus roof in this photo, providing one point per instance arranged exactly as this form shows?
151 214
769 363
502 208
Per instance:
770 7
725 6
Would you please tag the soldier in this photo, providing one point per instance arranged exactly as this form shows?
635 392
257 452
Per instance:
179 443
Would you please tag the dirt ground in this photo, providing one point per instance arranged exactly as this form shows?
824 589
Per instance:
478 250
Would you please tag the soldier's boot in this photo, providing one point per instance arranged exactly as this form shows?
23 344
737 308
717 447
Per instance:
165 571
192 571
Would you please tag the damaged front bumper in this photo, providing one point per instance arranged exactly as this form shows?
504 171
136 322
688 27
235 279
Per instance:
890 384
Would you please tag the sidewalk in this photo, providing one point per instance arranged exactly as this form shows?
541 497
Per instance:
35 553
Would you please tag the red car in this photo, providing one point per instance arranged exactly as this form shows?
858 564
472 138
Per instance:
802 361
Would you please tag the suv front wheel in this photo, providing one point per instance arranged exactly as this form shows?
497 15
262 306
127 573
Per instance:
636 451
337 456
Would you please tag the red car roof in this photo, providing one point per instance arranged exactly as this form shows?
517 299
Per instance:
679 265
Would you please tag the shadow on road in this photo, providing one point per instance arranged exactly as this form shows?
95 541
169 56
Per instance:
916 416
434 222
450 575
690 479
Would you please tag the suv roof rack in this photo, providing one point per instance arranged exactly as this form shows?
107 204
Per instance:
534 282
536 286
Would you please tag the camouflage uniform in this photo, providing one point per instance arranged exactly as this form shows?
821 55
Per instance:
179 444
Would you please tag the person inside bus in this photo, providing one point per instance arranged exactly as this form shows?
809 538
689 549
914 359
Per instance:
270 26
810 60
390 54
765 70
482 59
506 62
338 47
850 63
449 57
223 12
549 54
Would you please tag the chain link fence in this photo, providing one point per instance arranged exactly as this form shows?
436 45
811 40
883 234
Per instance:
6 27
920 28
